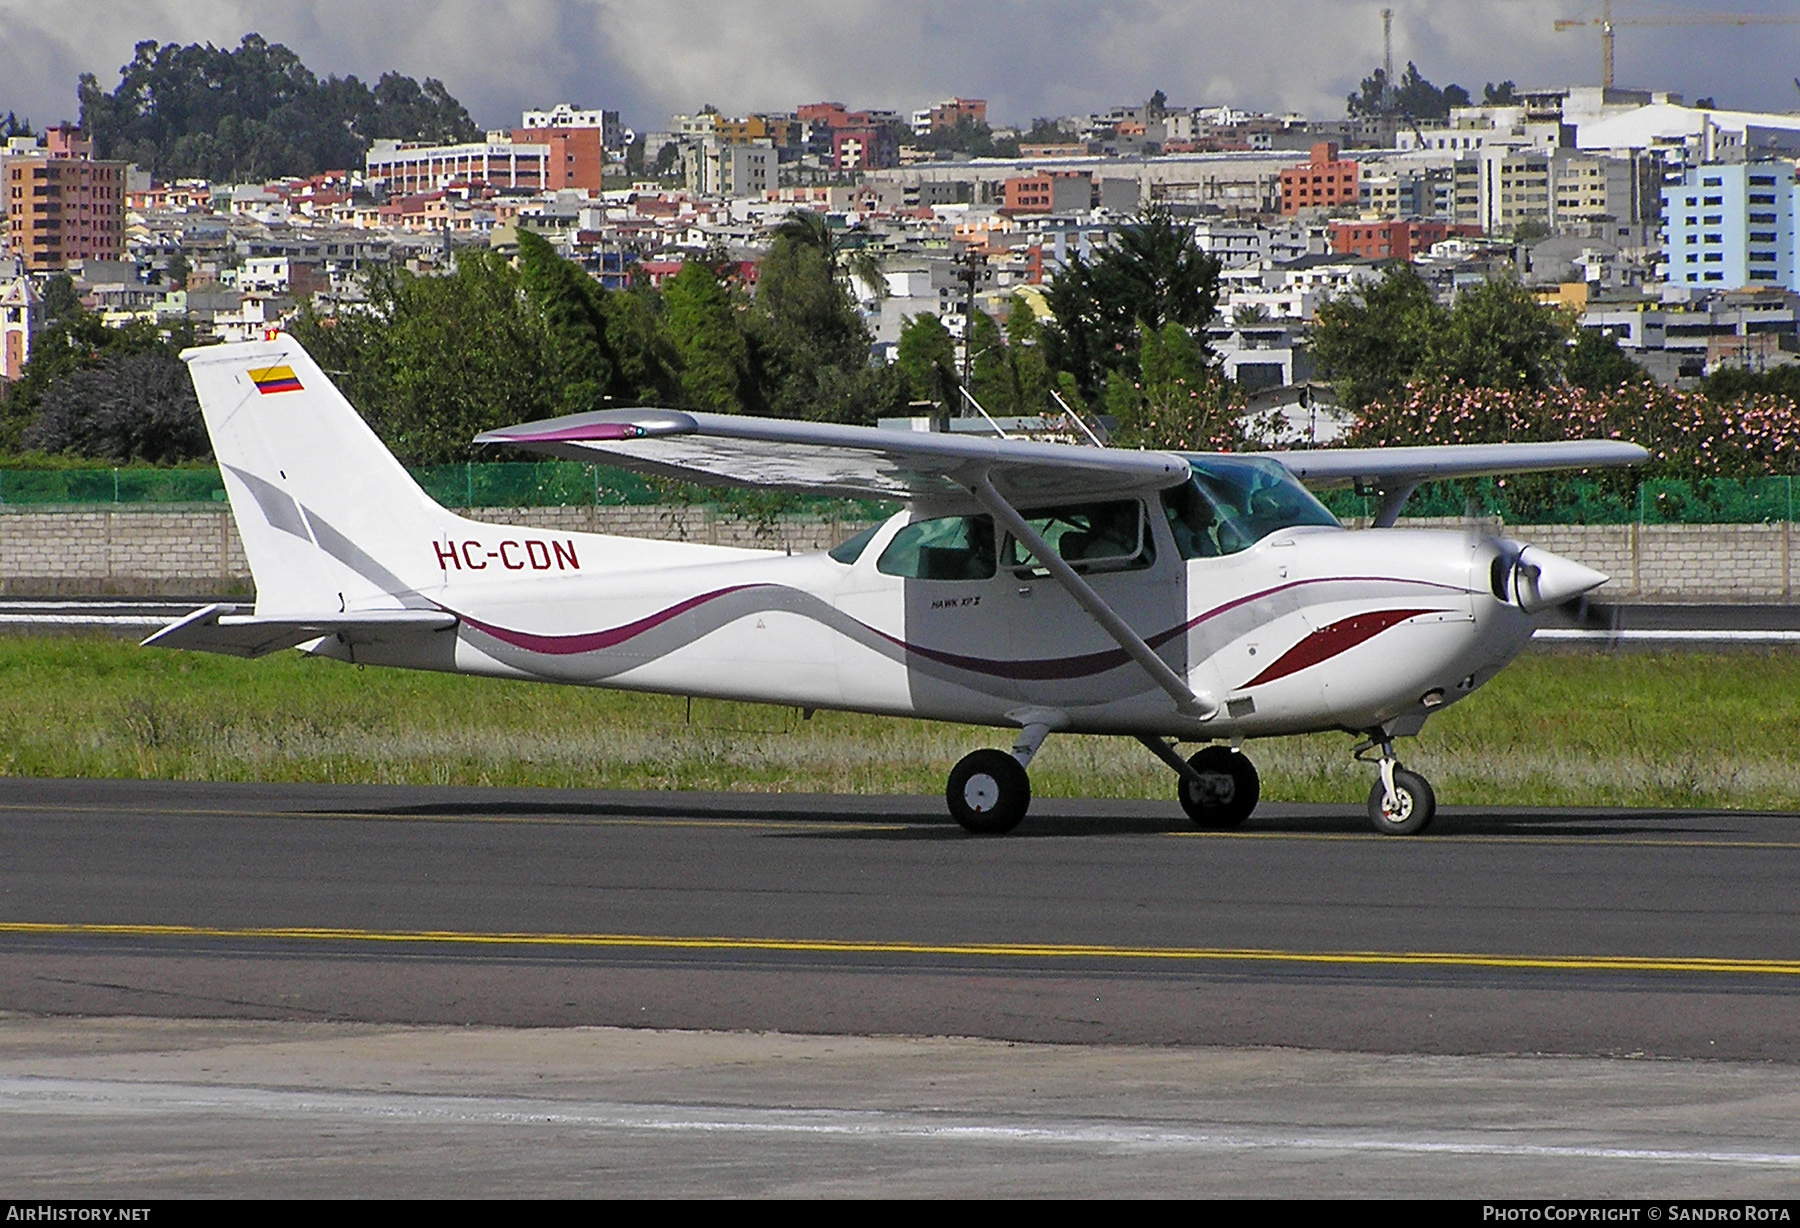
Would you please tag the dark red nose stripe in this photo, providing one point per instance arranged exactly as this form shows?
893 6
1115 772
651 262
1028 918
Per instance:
1330 640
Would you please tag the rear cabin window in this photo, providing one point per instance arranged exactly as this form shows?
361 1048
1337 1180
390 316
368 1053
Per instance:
946 548
849 550
1091 536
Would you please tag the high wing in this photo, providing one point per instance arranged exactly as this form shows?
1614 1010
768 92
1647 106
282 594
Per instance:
1397 472
826 458
231 630
1324 468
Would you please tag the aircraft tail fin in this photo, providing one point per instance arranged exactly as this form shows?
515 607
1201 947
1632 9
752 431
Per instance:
330 520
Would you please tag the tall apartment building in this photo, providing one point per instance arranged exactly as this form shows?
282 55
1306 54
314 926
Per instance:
717 169
1323 182
1732 224
62 204
562 115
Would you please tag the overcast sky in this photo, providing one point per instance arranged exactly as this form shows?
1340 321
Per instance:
648 58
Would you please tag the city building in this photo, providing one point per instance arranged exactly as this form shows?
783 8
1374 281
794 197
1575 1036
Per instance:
1050 192
528 159
61 203
1390 238
21 319
946 115
614 136
852 140
715 169
1323 182
1731 225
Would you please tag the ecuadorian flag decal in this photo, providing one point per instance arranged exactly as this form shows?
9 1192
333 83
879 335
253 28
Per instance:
275 379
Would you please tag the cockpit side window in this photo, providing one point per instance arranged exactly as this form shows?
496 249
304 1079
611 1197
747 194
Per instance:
1092 536
944 548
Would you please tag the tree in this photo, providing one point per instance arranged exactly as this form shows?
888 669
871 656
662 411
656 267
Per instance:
255 112
1498 336
1731 384
1025 355
605 347
1154 273
1179 399
575 318
76 340
131 406
1595 362
1412 96
60 300
1505 94
991 379
703 324
966 136
809 345
926 352
1371 344
433 361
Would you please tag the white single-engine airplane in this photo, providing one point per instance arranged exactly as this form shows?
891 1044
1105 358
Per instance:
1038 587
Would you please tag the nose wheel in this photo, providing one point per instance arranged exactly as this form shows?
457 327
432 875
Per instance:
1401 803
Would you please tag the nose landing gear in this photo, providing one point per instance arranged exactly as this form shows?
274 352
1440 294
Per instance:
1401 803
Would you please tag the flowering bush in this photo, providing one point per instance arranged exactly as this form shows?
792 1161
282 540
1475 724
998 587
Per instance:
1689 435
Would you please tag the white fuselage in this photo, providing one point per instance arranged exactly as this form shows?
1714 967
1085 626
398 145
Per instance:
1311 628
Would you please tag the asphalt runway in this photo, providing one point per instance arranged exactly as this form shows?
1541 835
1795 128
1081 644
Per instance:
1337 1002
1561 931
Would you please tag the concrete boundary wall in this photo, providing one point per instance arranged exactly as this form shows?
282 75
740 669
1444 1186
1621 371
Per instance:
195 549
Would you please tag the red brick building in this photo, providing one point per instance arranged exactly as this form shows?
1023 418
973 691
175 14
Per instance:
1388 239
1324 182
61 204
576 155
857 141
947 114
1049 192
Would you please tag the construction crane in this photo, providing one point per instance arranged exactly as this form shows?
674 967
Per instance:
1608 23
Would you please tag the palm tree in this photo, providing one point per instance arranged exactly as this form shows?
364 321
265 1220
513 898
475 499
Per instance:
805 228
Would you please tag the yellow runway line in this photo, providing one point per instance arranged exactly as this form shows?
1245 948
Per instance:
998 950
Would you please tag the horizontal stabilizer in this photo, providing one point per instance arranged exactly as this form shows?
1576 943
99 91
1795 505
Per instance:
232 630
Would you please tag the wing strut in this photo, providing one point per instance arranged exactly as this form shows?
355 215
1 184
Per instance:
1187 702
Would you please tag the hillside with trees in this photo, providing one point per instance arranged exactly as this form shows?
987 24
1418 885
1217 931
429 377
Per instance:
255 112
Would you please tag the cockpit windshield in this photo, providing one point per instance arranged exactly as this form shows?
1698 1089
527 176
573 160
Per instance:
1233 502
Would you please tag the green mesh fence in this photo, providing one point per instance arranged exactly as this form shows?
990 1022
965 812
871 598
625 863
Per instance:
501 484
1525 499
1552 499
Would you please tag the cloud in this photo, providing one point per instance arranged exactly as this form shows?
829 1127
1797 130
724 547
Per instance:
649 58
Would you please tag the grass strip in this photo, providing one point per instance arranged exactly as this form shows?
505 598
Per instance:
1650 729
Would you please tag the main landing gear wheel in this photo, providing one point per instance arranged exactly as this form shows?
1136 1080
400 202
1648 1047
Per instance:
1413 808
1228 791
988 792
